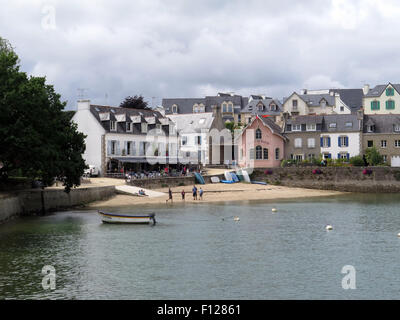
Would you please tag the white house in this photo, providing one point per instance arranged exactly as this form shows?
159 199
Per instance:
124 138
341 136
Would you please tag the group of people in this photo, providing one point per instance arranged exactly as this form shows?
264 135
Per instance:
194 192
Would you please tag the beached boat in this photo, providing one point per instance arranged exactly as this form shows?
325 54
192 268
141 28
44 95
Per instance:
122 218
199 178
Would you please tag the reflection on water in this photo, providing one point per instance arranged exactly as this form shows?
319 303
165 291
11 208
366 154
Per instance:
192 253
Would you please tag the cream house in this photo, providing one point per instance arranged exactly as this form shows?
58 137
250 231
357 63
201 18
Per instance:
382 99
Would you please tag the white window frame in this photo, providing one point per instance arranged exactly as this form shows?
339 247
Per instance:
383 144
144 127
298 142
311 127
129 127
113 126
296 127
311 143
158 128
397 143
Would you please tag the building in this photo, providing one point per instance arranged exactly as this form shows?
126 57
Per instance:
194 131
341 136
303 137
382 99
262 106
383 132
230 105
329 101
123 138
261 144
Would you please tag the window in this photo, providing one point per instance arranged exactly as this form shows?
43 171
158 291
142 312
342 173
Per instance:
349 124
297 143
272 107
397 127
299 157
397 143
260 107
384 156
184 140
370 143
311 142
296 127
258 153
158 128
311 156
332 125
113 147
389 92
129 126
187 154
343 155
383 143
128 147
294 104
174 108
239 118
323 103
198 140
341 109
277 154
311 127
343 141
195 108
258 134
375 105
144 127
248 120
327 156
371 128
251 154
390 104
224 107
265 154
113 126
325 142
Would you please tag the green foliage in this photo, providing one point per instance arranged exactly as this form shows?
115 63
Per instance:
135 102
373 156
38 138
357 161
232 126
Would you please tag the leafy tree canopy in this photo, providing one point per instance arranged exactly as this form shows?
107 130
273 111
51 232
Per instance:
38 139
135 102
373 156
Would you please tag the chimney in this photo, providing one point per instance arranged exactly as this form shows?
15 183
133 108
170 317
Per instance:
366 89
360 113
83 105
303 91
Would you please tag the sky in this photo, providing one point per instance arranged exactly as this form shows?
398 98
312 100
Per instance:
107 50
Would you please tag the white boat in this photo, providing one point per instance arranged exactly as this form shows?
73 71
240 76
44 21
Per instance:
121 218
246 176
228 176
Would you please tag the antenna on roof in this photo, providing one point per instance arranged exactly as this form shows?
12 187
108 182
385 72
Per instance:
81 93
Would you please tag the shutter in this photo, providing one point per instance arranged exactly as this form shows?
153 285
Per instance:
133 147
386 103
339 142
348 156
118 149
329 142
126 147
379 105
108 148
338 155
303 127
322 142
289 127
329 156
346 141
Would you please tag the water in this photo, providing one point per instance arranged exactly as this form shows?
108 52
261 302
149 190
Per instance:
193 254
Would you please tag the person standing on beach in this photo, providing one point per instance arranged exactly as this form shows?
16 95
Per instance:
194 193
183 194
201 193
169 195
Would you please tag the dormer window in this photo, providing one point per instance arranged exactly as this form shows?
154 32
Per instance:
129 126
174 108
371 128
195 108
323 103
296 127
311 127
332 125
389 92
272 107
227 107
158 128
294 104
260 107
113 126
397 127
144 127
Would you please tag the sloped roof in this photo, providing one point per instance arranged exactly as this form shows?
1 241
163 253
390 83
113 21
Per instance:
251 106
192 122
378 90
351 97
307 119
384 123
341 121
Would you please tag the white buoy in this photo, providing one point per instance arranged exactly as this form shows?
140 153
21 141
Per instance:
236 219
398 234
328 227
274 209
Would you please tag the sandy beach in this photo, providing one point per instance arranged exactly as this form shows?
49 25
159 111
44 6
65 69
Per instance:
217 193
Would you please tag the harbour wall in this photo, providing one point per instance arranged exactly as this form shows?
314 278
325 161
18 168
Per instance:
349 179
37 201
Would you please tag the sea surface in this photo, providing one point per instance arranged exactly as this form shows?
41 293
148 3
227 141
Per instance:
198 251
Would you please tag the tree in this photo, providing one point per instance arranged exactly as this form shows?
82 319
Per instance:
38 139
373 156
136 102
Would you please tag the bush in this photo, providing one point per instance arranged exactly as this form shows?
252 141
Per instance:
373 156
357 161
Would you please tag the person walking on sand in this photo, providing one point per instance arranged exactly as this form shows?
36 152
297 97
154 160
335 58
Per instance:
201 193
169 195
183 194
194 193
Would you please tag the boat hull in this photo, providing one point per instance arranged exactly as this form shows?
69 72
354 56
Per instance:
114 218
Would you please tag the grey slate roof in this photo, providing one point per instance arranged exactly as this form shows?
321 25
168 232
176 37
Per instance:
314 100
121 126
309 119
270 123
251 106
341 120
383 123
193 122
378 90
351 97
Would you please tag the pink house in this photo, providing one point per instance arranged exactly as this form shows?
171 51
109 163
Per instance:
261 144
